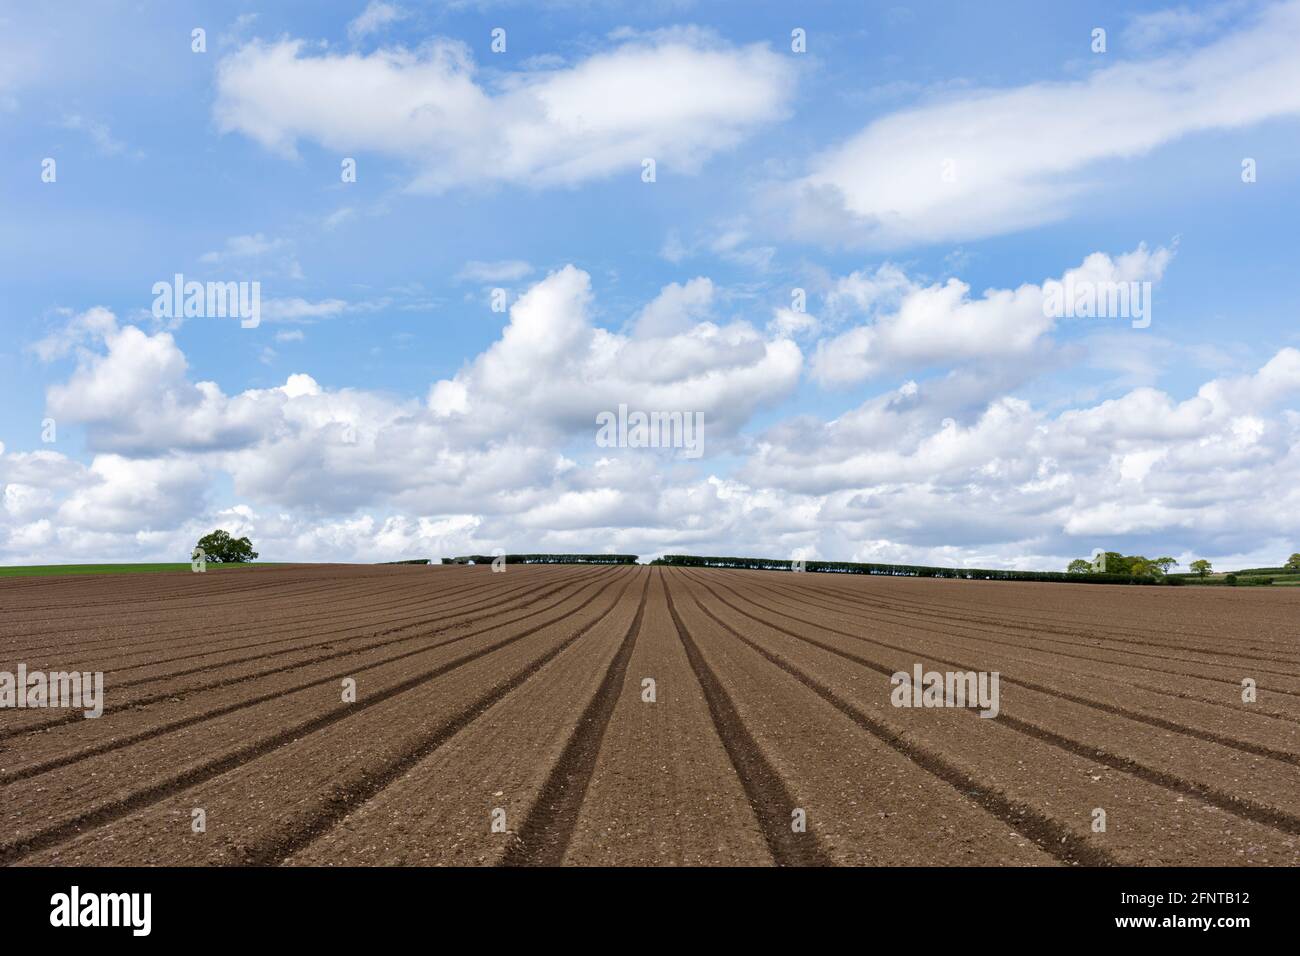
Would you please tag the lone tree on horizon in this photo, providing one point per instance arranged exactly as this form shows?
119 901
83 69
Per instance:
1293 562
1201 567
220 548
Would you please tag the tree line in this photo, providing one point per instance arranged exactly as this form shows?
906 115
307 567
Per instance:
1108 567
907 570
1112 562
545 559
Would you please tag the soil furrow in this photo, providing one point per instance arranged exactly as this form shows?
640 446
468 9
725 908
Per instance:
1050 836
1246 809
179 693
579 715
548 829
1128 713
767 792
113 808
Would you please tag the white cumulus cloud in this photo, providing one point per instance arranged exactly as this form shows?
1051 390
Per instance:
918 326
985 162
678 97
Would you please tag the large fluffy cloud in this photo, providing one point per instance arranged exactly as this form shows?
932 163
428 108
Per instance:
134 393
917 326
1143 468
493 441
552 368
677 97
951 469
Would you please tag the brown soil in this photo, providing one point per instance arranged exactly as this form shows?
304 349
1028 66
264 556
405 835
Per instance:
518 698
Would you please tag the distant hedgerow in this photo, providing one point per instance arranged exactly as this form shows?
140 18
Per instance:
905 570
545 559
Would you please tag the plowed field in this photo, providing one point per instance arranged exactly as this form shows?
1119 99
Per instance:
589 715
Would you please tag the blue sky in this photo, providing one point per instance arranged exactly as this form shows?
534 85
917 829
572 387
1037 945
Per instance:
910 160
